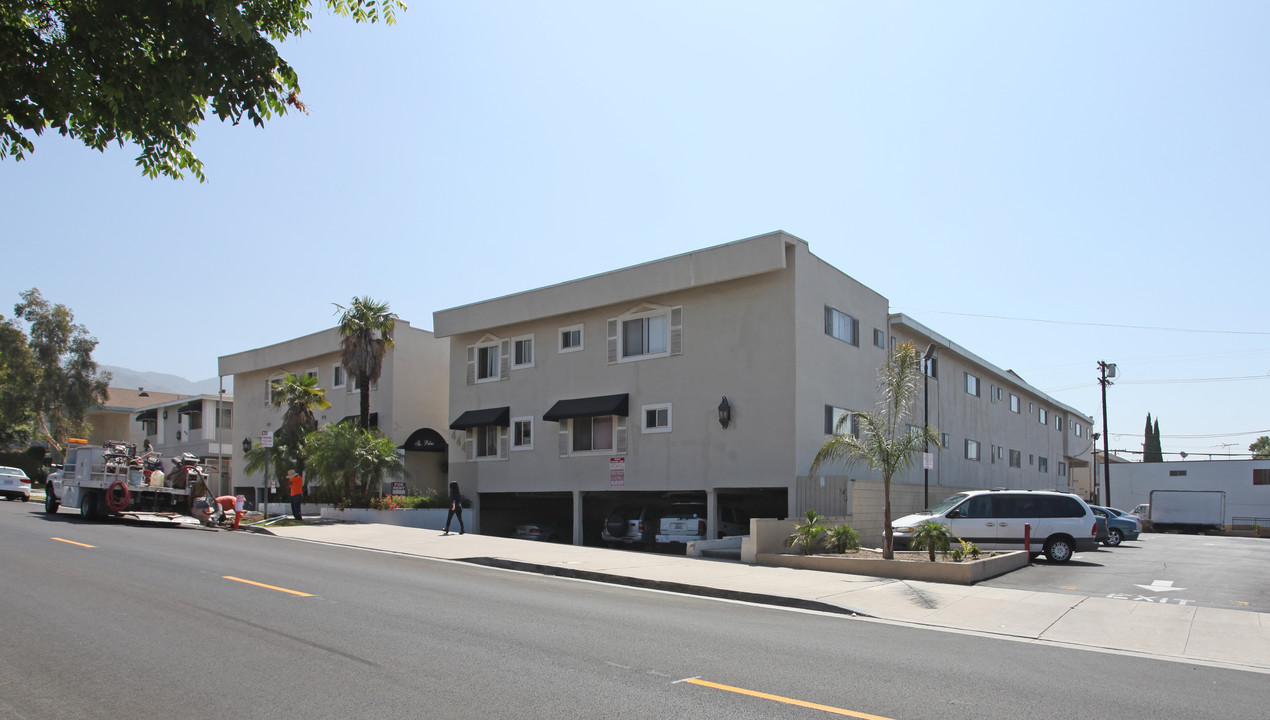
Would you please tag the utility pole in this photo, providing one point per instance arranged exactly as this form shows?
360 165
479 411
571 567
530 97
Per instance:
1107 372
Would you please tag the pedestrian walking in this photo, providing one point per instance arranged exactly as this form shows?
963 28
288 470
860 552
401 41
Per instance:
456 508
297 493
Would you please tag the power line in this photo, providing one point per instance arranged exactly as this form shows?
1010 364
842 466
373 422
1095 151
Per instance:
1094 324
1197 437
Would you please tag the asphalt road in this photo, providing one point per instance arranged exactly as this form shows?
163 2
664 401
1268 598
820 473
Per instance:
116 620
1210 571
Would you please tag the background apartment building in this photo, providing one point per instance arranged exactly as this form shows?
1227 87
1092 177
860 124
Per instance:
408 403
711 376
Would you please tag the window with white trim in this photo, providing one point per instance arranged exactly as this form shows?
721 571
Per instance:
647 336
1058 423
1078 429
522 352
523 433
487 362
271 390
571 338
842 326
337 376
1042 416
1043 464
656 418
972 385
835 414
943 440
1014 403
879 338
487 441
972 449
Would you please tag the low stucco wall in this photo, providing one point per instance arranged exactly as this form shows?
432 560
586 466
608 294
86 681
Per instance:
428 518
966 572
766 546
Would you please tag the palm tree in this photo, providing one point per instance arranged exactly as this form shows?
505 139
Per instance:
931 536
365 335
886 443
806 535
342 456
300 395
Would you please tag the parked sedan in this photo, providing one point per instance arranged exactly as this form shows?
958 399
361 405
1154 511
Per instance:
539 531
1119 527
14 484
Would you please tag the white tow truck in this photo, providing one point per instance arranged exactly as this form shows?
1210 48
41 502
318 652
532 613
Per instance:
114 480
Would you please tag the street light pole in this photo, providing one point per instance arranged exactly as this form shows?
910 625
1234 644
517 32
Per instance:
1107 373
927 359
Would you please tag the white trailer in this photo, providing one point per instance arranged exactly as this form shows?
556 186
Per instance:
1188 510
113 480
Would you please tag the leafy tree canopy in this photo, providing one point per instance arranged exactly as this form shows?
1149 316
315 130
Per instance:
148 71
1260 448
58 370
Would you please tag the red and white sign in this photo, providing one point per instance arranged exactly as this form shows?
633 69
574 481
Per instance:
617 471
266 438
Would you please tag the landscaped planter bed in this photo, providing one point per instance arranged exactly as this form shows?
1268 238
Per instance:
966 572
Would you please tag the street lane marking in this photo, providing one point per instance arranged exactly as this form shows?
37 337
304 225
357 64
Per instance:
72 542
787 701
268 587
1160 586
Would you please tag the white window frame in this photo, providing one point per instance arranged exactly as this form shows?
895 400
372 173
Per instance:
570 329
1015 405
879 338
528 420
269 386
487 431
972 379
338 376
657 407
643 318
573 425
972 449
1076 428
516 341
495 350
1042 416
313 372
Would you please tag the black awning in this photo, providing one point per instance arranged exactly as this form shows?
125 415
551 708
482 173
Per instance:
500 416
193 406
374 419
147 415
424 440
588 407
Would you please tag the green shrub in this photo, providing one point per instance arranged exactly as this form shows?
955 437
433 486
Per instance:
806 536
842 538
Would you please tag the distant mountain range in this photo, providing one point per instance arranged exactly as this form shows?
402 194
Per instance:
121 377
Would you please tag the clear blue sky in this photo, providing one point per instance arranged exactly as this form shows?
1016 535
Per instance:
1068 164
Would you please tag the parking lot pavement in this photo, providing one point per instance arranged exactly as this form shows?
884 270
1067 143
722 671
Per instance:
1160 569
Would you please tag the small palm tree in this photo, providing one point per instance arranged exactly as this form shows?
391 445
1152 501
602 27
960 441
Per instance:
885 444
300 395
931 536
842 538
365 335
343 456
806 535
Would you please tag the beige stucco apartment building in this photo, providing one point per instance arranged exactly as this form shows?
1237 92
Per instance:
714 376
408 403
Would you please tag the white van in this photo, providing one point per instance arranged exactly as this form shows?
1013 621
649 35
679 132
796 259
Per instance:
1061 523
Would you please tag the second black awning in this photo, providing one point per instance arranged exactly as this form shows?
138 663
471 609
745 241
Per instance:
147 415
588 407
500 416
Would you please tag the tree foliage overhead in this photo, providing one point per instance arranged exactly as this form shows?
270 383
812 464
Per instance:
148 71
1260 448
55 381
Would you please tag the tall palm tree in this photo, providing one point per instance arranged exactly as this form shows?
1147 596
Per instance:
365 335
886 444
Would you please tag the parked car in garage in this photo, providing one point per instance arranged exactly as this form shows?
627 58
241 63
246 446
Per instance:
14 483
541 531
686 522
631 525
1119 527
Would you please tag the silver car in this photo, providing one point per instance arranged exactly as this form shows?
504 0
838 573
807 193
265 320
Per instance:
14 483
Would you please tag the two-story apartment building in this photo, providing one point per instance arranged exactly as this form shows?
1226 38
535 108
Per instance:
711 376
408 403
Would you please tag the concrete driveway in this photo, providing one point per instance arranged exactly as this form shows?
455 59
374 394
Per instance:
1208 571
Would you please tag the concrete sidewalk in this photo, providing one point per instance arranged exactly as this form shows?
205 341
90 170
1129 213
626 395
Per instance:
1211 636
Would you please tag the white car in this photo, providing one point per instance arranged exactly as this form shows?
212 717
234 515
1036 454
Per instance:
14 483
1060 523
686 522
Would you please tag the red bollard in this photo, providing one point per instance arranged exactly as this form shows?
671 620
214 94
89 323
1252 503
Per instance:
1027 541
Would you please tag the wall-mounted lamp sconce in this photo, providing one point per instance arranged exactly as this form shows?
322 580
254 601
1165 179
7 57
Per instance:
725 412
246 445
